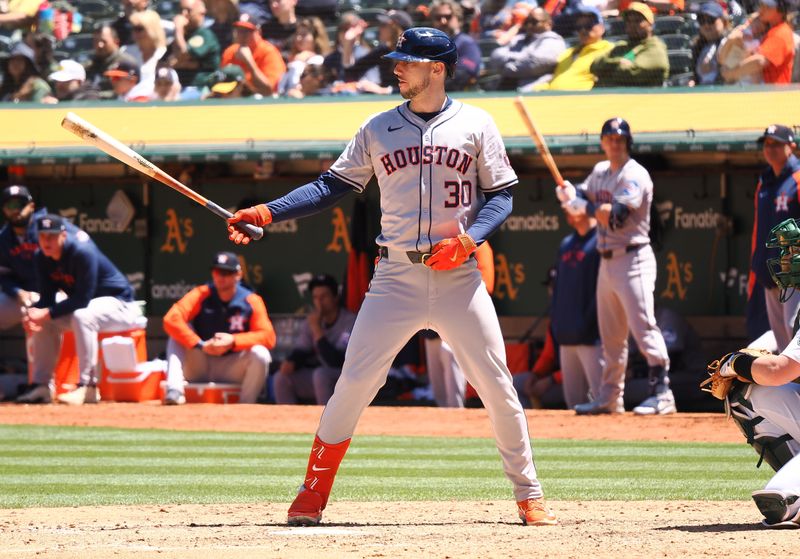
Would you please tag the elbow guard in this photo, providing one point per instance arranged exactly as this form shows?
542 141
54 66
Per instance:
619 213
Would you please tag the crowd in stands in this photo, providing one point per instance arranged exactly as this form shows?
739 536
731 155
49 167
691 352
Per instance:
169 50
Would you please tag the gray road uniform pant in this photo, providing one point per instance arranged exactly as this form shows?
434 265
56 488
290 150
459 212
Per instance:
447 380
405 298
625 286
781 315
10 313
315 384
581 371
102 314
248 367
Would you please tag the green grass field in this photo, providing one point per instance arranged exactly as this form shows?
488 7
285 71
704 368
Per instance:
66 466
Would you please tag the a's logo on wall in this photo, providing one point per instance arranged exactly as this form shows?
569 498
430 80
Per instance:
509 276
341 237
179 231
679 276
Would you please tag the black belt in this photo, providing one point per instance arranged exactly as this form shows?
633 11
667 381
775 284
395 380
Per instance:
610 253
413 257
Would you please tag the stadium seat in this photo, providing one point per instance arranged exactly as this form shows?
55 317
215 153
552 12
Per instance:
487 46
615 26
677 41
97 9
370 15
74 44
680 67
668 25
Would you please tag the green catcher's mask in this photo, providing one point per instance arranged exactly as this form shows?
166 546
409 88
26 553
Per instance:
785 269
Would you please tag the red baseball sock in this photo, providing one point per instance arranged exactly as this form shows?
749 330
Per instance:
323 463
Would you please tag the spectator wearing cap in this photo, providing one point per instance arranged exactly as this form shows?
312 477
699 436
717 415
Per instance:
219 332
260 61
308 45
167 86
773 59
71 85
99 298
639 61
125 81
349 47
21 79
776 199
19 14
148 48
105 55
390 27
448 16
714 26
226 83
281 23
316 79
315 363
572 67
195 51
530 57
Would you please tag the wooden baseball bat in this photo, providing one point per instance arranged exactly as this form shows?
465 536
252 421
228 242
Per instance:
538 139
116 149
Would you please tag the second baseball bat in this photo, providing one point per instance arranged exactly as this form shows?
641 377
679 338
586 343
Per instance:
116 149
538 139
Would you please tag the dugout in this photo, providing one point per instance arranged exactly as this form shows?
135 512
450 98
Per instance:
698 145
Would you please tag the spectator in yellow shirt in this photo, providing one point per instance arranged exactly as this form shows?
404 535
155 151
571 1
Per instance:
572 68
18 14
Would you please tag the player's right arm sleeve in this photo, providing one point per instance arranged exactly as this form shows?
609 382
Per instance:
310 198
176 321
491 216
354 165
47 291
87 265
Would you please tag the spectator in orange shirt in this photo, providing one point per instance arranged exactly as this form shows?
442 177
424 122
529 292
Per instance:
262 63
775 55
219 332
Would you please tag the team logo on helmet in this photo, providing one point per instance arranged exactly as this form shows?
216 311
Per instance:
400 40
46 223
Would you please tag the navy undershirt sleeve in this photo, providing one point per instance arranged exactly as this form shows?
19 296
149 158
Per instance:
589 205
619 213
310 198
492 215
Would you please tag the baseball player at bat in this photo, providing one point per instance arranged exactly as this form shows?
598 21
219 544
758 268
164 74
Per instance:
619 192
763 398
445 183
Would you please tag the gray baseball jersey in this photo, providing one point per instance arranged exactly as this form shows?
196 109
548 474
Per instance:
630 186
431 174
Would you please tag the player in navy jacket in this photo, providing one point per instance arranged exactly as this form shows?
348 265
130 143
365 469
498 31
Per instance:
19 242
99 298
776 199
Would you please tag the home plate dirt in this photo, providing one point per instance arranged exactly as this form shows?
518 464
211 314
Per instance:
446 529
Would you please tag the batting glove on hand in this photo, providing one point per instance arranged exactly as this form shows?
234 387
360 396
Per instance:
257 215
566 193
576 206
451 253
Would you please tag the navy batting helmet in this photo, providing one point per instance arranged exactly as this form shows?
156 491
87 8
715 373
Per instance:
617 127
425 44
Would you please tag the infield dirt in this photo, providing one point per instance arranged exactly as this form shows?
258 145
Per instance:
457 529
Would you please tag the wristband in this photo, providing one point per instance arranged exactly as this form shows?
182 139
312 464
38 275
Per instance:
742 365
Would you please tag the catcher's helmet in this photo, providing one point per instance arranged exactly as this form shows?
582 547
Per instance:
785 268
425 44
617 127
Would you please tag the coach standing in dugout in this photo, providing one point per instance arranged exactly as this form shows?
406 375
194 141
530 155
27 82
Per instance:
99 298
776 199
619 192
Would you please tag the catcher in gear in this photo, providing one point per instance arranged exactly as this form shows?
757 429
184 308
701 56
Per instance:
763 398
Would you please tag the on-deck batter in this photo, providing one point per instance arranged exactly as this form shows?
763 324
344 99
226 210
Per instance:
619 192
445 187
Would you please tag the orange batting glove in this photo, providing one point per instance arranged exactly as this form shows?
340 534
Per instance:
257 215
451 253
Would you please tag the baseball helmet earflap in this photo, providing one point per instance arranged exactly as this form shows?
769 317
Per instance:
425 44
785 268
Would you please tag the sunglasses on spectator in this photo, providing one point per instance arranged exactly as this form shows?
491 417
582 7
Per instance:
443 16
15 204
587 26
706 20
137 28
